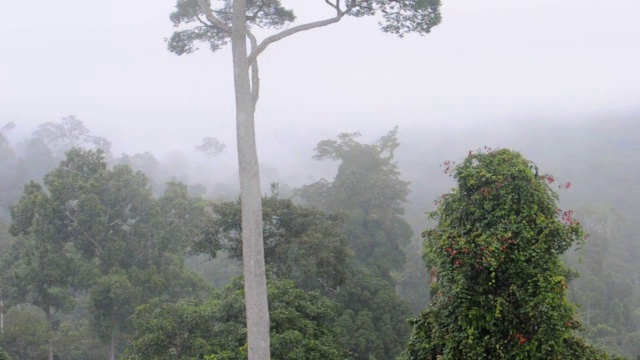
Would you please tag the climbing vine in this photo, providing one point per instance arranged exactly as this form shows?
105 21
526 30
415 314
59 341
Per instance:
501 286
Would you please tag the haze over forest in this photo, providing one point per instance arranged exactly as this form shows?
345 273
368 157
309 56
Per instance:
555 81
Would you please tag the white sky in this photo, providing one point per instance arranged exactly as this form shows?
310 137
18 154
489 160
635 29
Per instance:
489 61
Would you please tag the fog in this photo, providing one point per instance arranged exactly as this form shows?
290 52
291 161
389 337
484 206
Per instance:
491 61
557 81
494 73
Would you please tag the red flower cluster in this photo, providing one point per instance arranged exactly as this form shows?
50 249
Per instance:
441 198
565 186
567 217
548 178
447 166
451 251
573 324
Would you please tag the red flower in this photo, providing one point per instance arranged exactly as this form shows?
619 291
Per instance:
521 339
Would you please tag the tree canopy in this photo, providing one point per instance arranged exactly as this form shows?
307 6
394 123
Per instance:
203 22
215 329
369 192
99 229
305 245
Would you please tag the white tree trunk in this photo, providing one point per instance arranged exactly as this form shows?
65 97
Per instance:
255 282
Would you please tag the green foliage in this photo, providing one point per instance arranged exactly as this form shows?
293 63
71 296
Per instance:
501 289
39 267
76 338
368 191
412 282
69 133
369 194
216 271
36 155
373 321
309 247
301 244
4 355
100 229
26 332
215 329
604 290
112 298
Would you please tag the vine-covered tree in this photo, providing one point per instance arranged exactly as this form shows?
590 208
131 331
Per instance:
234 21
501 290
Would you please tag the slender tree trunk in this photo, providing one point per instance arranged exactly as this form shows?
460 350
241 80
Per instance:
50 343
50 340
112 348
255 282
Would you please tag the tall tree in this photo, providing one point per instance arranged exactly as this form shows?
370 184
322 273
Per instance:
501 289
369 191
232 22
70 132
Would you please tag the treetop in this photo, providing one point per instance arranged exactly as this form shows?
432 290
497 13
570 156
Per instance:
209 21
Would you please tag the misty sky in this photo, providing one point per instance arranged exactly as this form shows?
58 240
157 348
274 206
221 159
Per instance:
493 61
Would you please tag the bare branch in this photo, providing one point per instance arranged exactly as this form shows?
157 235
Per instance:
253 62
214 20
96 245
288 32
335 6
204 23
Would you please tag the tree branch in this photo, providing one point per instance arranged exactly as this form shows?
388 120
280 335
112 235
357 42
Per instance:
97 247
214 20
288 32
253 63
335 6
204 23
